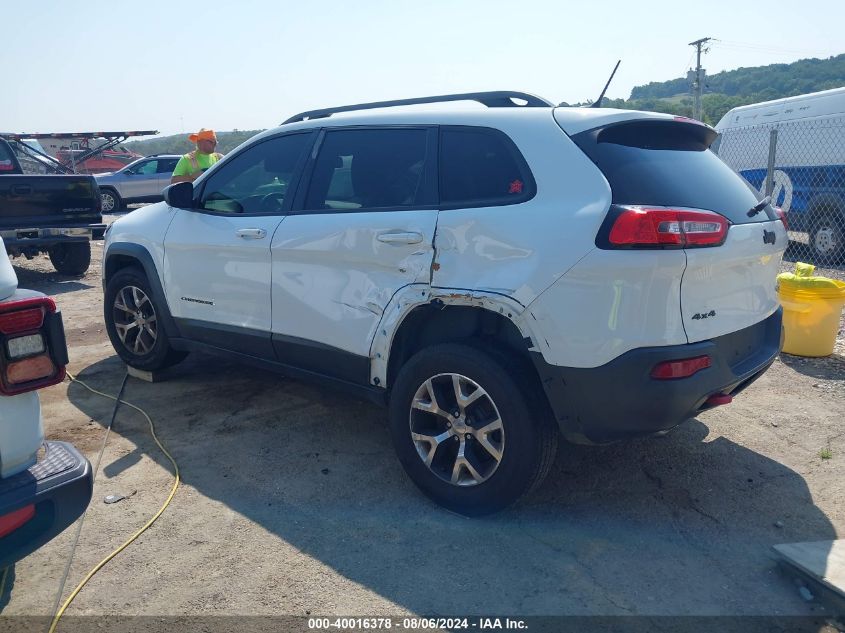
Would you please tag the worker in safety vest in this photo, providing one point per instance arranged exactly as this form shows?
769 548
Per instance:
192 164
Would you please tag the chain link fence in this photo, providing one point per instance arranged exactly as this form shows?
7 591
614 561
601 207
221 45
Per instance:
801 164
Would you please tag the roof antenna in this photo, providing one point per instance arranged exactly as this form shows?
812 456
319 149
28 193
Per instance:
597 102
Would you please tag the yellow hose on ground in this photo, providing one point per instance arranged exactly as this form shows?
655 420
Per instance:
126 544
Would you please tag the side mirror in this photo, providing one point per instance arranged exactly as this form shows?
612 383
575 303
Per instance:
180 195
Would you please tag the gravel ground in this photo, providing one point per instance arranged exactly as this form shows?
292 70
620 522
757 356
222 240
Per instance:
292 501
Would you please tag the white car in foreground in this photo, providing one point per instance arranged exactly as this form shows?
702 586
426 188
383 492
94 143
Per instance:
44 486
495 276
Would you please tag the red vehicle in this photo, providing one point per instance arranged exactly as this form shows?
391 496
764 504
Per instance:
106 161
79 152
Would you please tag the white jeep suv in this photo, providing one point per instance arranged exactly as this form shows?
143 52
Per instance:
492 275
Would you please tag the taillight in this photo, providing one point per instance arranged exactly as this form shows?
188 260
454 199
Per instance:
683 368
22 319
25 360
649 227
12 521
782 217
30 369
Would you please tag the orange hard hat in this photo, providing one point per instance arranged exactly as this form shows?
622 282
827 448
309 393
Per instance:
203 135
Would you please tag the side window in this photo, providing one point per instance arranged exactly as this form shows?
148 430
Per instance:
166 165
256 180
370 169
146 169
481 167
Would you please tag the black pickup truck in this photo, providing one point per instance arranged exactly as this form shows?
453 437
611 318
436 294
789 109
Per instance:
57 215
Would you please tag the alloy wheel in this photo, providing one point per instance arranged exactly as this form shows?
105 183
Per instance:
456 429
135 320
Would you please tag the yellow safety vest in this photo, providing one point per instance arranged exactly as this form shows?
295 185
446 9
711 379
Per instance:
192 158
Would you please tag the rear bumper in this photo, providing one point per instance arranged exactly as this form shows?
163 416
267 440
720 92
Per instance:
52 235
620 399
59 485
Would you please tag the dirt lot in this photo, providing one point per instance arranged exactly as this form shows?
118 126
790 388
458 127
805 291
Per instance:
292 501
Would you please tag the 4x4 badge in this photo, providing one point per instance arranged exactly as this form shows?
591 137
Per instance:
769 237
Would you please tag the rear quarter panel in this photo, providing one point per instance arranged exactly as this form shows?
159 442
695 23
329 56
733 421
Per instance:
612 301
520 250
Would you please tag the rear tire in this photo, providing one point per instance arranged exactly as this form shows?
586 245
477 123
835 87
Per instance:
72 258
504 463
132 316
827 238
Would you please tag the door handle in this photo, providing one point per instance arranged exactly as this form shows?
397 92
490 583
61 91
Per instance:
400 238
252 234
21 190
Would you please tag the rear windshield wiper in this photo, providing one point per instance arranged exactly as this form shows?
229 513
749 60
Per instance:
759 206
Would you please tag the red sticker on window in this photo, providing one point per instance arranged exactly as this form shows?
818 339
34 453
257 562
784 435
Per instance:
6 165
516 187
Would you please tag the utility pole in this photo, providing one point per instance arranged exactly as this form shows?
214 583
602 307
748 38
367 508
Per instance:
698 80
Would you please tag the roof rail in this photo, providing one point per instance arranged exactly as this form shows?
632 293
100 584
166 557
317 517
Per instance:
493 99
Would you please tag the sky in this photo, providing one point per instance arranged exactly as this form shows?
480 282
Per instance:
178 66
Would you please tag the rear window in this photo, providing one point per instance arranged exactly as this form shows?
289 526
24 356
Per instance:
669 163
360 169
481 167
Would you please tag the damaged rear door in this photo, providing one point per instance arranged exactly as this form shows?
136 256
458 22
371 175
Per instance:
363 228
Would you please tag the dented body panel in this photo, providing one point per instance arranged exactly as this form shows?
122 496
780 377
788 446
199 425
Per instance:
334 274
414 296
609 303
732 287
520 250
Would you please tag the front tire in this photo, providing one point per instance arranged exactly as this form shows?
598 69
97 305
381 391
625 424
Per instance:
111 201
71 258
469 432
132 316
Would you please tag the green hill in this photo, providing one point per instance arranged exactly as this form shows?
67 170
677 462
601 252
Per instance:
179 143
723 91
732 88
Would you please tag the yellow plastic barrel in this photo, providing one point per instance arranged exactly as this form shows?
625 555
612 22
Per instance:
812 307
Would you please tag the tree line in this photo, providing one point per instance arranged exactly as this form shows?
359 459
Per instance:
179 143
722 91
732 88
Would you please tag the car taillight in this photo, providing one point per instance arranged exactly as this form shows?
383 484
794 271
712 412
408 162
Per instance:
25 360
22 320
30 369
683 368
649 227
782 217
12 521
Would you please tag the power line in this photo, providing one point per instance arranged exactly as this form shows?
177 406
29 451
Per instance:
687 65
